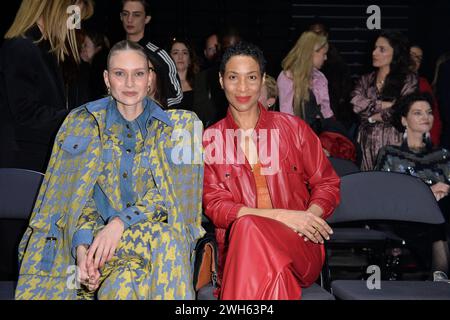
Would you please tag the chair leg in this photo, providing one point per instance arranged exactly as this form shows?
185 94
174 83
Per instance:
392 264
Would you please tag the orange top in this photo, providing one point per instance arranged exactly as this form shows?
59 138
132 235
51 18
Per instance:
263 200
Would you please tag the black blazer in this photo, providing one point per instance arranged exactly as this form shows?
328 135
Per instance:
32 101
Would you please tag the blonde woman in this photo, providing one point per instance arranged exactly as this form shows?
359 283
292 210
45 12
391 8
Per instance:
34 93
116 201
303 89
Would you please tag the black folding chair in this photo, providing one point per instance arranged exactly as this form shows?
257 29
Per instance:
370 242
388 197
343 166
18 191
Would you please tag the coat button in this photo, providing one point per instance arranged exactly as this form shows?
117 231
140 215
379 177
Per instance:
129 135
128 151
75 146
128 204
125 175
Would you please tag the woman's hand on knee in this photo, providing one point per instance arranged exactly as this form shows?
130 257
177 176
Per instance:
105 244
306 224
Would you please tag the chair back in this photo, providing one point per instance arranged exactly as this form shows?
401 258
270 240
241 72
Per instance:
343 166
381 195
18 191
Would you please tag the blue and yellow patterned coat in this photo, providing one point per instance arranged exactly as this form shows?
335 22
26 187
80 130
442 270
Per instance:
155 257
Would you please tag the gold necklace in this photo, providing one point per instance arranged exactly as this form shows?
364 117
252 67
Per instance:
380 84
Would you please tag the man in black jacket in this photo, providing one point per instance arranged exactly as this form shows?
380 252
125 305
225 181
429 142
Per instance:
135 16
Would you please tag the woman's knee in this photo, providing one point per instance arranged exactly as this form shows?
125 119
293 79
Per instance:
248 221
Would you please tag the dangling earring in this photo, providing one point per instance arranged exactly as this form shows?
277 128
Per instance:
405 134
427 139
109 91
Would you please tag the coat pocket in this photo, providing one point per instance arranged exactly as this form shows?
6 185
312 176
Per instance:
75 145
74 148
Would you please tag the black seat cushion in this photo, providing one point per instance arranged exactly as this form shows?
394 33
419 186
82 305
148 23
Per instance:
314 292
7 290
391 290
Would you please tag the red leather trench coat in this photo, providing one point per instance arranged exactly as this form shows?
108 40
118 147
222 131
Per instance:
304 175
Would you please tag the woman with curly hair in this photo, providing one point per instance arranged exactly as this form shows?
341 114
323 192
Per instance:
375 94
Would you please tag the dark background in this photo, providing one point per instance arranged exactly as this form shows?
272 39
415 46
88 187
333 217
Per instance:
275 25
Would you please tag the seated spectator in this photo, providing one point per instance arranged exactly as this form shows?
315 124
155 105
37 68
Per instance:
416 157
416 53
185 60
375 94
94 51
269 216
114 201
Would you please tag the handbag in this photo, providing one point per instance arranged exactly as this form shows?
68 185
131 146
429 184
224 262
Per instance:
205 265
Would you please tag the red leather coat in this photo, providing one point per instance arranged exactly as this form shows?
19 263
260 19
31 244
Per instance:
304 175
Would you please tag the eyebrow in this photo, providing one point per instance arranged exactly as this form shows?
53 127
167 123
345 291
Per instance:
235 72
122 69
132 11
419 109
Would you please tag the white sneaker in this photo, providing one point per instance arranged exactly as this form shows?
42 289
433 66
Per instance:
440 276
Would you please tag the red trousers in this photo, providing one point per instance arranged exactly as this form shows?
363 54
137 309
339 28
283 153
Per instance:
266 260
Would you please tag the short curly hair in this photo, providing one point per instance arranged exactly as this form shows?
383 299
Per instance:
244 48
403 105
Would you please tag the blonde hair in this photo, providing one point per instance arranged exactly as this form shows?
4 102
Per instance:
54 16
299 63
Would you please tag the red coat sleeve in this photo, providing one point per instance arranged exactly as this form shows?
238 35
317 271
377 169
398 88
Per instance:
218 202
